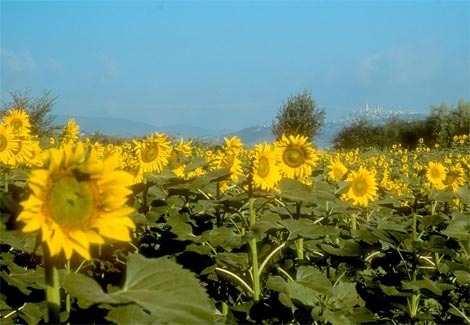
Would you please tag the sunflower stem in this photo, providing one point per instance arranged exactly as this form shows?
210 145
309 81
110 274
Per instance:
52 288
254 255
299 243
67 296
5 179
353 221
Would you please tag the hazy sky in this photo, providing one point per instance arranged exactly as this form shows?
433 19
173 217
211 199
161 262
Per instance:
231 64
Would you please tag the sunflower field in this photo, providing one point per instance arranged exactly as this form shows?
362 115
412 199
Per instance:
160 230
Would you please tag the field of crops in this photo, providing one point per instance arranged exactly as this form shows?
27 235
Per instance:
160 230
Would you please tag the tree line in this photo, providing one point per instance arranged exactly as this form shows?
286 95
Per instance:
298 115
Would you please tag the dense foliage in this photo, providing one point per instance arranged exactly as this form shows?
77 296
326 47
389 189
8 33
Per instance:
440 126
277 233
38 108
300 115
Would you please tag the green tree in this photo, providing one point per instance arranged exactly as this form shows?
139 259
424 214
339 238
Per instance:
299 115
38 109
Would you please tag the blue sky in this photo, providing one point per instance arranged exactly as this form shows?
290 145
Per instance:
231 64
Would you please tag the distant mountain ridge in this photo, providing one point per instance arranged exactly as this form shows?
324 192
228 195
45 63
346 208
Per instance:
249 136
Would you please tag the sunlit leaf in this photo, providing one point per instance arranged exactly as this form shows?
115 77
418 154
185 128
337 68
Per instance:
462 277
161 287
224 237
459 227
346 248
130 314
313 278
305 295
426 283
307 228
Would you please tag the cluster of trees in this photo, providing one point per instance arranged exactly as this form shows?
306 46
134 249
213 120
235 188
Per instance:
300 115
440 126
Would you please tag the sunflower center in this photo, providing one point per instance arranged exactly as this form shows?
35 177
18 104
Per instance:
359 187
228 160
263 167
293 157
16 124
150 153
338 172
71 202
3 142
435 173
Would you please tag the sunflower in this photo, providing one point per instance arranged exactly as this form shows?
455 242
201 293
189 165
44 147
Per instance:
70 132
8 145
233 144
227 158
337 169
296 156
363 187
179 157
265 170
76 201
455 178
153 152
436 174
18 120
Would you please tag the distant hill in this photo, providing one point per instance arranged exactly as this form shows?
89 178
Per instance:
108 126
126 127
250 135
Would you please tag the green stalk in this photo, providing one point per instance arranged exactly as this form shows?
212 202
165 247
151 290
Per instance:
299 243
254 255
5 178
354 221
67 296
52 287
414 305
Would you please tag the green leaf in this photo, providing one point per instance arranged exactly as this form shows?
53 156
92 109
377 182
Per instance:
347 248
21 241
88 291
306 228
236 261
224 237
463 194
161 287
392 291
266 222
180 226
459 227
346 297
32 313
336 317
426 283
361 315
305 295
129 314
313 278
296 191
24 279
462 277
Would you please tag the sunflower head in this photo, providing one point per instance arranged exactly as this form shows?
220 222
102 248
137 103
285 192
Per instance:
77 200
18 121
337 170
296 156
70 132
233 144
153 152
265 170
436 174
363 187
455 178
9 145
